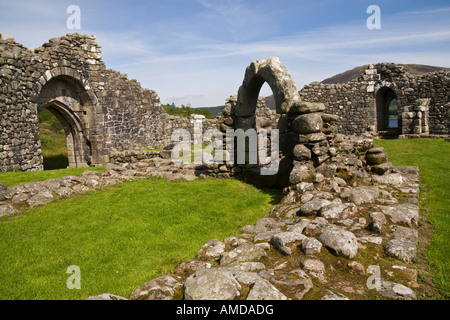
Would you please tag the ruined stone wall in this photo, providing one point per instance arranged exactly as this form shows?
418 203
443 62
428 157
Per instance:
350 101
355 101
133 117
101 111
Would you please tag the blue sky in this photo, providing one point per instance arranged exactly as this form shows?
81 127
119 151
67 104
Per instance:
196 51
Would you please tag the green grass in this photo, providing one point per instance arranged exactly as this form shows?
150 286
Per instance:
186 111
18 178
53 141
432 156
120 237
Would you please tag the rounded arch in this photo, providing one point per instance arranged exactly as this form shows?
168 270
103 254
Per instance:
69 96
286 95
279 80
383 98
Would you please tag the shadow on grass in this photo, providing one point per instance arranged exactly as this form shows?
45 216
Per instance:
59 161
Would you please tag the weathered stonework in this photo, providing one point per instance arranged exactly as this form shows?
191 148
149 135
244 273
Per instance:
294 117
100 109
362 103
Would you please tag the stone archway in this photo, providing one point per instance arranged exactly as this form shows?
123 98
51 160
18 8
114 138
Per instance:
279 80
78 147
384 97
67 96
287 99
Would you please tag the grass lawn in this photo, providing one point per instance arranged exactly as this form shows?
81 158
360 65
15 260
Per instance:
432 156
120 237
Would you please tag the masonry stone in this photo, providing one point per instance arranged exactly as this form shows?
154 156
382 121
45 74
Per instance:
362 103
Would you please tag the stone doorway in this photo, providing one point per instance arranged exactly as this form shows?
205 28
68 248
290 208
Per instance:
78 148
70 104
387 111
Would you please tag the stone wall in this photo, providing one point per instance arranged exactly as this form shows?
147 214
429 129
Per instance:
100 109
356 101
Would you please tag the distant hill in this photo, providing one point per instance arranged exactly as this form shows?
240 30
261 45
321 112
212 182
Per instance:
270 102
414 69
214 110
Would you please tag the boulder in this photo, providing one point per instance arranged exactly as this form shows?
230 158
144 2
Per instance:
395 291
393 179
406 233
307 107
302 187
338 211
315 268
340 242
247 278
238 267
307 123
264 290
376 158
361 195
311 246
402 249
162 288
211 251
6 209
301 152
64 192
211 284
299 174
281 241
299 226
378 221
265 236
234 241
356 267
404 213
316 227
41 198
244 252
382 168
296 282
312 207
190 266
